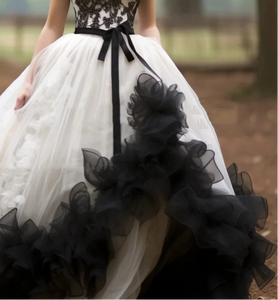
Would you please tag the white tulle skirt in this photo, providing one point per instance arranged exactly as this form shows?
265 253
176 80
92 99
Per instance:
71 109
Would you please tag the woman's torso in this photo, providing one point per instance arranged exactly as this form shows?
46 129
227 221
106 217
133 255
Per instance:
104 14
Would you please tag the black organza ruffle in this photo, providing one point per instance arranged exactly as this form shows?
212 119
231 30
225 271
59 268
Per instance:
216 258
155 165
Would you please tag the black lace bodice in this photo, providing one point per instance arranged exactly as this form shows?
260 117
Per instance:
104 14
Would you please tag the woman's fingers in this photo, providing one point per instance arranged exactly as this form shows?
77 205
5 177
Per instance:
23 97
20 102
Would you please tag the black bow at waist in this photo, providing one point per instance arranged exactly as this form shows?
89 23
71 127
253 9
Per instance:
115 37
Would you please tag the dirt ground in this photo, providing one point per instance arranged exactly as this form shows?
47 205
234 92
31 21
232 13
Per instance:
247 134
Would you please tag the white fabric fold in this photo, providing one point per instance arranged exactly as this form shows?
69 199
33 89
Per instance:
70 109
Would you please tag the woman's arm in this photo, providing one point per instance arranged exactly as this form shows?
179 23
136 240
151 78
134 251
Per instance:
147 19
52 30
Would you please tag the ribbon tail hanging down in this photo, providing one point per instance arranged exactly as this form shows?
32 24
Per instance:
114 37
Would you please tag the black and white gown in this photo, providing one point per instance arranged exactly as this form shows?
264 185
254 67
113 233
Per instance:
112 180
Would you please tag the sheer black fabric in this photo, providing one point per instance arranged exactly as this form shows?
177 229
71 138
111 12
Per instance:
214 258
71 258
114 37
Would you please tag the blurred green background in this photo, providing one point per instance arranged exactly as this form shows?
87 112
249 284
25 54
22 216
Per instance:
205 31
227 50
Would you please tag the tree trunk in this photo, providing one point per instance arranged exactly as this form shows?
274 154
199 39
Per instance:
267 67
180 8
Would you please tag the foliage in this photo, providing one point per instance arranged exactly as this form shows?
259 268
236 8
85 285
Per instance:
209 7
230 7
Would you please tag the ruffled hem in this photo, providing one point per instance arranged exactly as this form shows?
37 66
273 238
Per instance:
71 258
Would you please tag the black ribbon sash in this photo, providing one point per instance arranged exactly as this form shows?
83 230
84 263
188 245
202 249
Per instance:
115 37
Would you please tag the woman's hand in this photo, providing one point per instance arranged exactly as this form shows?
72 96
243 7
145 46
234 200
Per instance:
24 95
52 30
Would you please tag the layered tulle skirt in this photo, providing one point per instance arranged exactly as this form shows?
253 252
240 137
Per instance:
77 220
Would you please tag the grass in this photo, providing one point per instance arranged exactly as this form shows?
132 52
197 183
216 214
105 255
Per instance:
203 46
12 51
184 46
